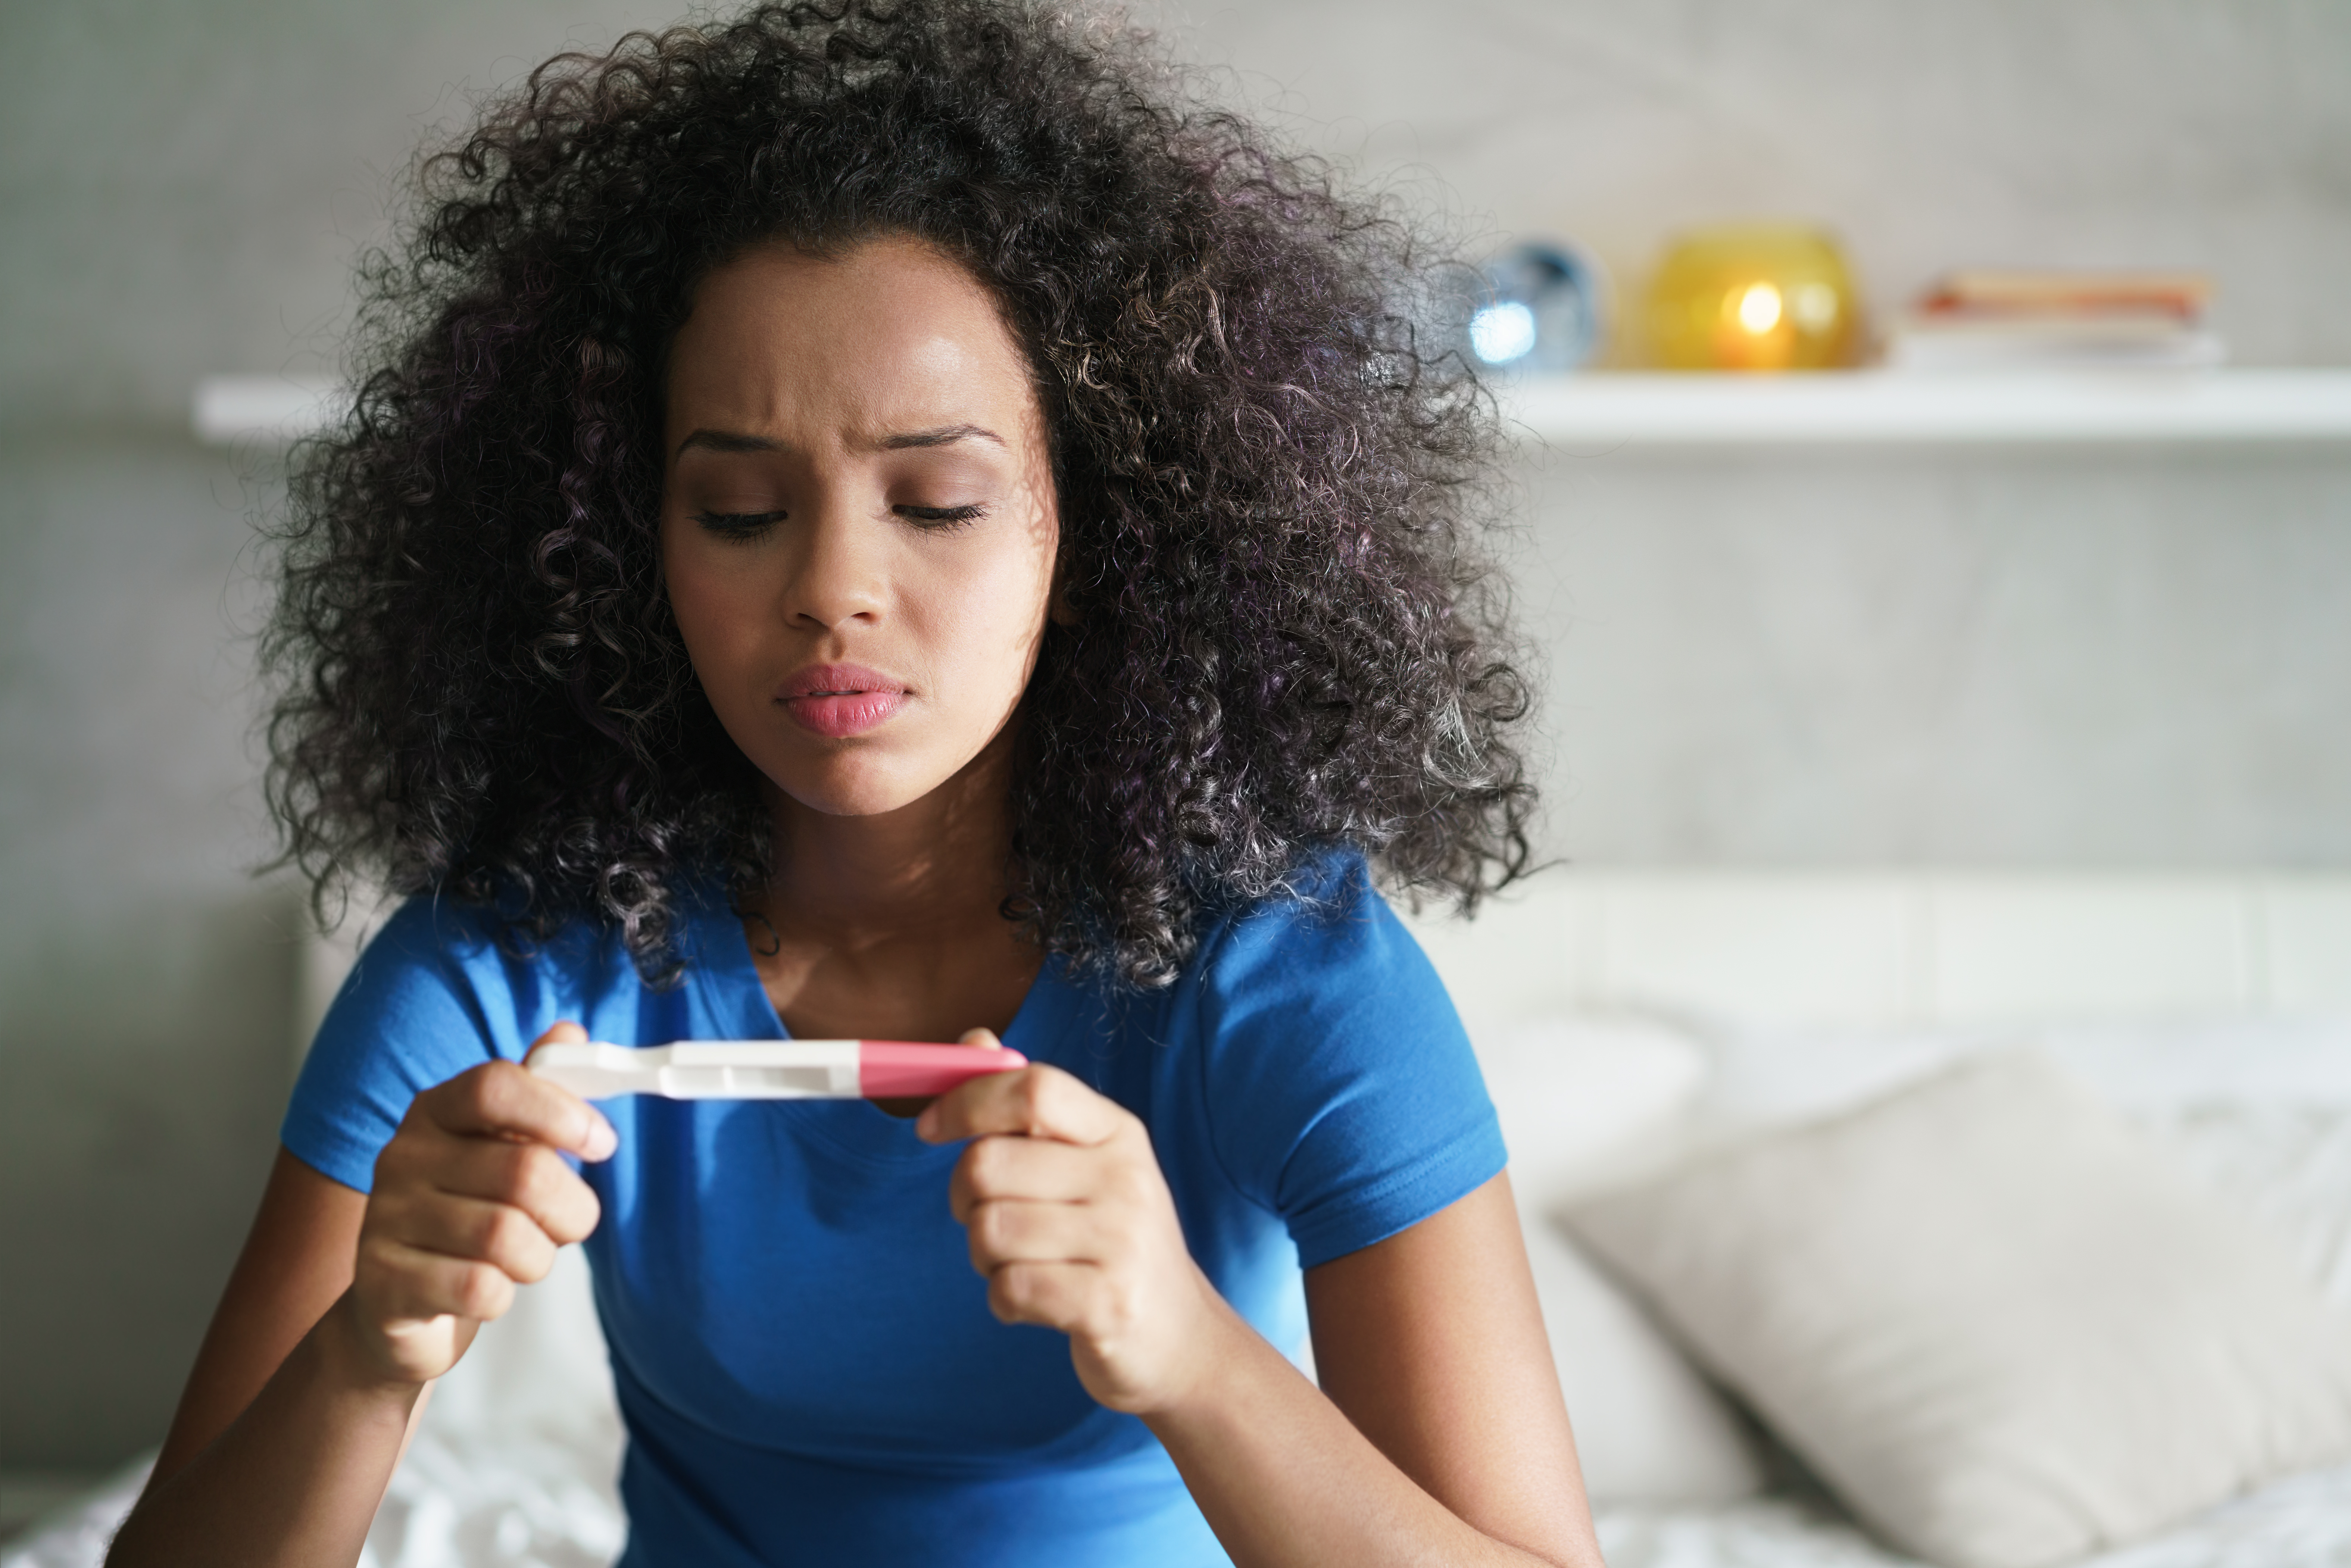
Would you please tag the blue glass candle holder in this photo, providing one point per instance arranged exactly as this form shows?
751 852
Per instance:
1543 309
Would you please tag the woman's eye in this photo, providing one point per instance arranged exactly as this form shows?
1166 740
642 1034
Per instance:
941 517
738 525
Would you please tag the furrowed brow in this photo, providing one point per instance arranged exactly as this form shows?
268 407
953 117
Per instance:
726 441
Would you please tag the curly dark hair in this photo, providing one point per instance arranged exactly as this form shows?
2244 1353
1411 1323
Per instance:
1272 481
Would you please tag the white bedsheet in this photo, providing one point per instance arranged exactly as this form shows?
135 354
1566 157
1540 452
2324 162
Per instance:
2304 1523
514 1464
454 1505
461 1501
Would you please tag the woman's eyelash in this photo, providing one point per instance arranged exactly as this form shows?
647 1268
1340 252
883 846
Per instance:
742 523
942 516
737 522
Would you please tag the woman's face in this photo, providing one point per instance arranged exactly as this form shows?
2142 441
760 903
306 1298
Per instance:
858 524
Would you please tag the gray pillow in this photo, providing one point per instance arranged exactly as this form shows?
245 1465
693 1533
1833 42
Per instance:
1989 1315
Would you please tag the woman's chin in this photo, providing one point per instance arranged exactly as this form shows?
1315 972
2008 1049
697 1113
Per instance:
856 790
874 778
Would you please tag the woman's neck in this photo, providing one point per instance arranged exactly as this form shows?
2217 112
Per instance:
889 926
928 869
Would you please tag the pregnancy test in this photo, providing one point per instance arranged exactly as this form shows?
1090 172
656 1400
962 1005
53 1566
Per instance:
769 1069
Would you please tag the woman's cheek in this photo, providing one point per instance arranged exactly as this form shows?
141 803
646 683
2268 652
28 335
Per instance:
718 618
1007 626
981 619
1027 581
718 601
689 583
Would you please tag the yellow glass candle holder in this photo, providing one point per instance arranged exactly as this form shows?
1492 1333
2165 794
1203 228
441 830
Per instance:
1758 296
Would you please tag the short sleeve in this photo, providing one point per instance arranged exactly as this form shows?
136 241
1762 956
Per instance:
1342 1091
410 1015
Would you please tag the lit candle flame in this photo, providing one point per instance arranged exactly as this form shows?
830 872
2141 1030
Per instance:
1759 309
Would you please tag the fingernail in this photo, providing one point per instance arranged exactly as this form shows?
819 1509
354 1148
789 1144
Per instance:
927 1125
602 1139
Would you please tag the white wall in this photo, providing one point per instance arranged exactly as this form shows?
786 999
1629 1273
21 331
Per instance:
2041 659
144 974
2095 658
1931 134
1992 658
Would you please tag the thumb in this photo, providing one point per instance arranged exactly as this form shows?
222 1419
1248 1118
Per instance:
984 1039
600 1139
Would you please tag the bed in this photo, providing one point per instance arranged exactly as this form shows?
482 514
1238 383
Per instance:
1633 1025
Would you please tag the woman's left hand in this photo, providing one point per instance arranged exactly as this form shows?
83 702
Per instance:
1071 1222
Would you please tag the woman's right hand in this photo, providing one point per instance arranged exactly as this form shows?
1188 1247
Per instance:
472 1197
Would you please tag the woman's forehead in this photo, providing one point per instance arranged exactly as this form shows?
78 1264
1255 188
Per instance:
890 336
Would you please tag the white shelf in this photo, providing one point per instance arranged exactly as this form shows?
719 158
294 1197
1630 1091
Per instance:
264 410
1606 410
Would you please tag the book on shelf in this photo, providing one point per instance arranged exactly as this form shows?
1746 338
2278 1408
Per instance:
2015 319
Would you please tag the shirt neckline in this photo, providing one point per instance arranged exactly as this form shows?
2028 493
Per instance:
721 966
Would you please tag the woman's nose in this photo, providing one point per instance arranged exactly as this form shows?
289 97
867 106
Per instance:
841 576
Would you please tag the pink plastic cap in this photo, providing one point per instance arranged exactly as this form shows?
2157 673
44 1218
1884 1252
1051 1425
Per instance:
905 1069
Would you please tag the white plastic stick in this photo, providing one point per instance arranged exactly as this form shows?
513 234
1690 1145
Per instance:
768 1068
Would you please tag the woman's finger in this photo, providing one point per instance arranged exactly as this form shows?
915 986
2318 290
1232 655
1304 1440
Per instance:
477 1231
1054 1295
501 1100
1039 1168
1010 1232
1034 1102
405 1281
531 1178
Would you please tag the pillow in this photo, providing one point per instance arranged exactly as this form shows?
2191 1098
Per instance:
2288 1165
1648 1426
1586 1098
1763 1075
1990 1316
1582 1099
2258 1107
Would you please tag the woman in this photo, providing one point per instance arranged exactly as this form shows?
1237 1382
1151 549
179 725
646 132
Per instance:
877 522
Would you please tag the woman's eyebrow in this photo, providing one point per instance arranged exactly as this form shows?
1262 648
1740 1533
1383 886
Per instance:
736 441
944 435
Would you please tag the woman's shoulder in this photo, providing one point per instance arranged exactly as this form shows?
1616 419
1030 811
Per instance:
1339 1088
1326 926
435 938
440 930
1323 972
433 928
436 955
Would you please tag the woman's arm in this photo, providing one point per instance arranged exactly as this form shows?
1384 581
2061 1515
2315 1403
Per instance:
1437 1434
281 1447
341 1311
1442 1436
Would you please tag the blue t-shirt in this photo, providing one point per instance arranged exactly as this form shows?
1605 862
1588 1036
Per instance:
804 1356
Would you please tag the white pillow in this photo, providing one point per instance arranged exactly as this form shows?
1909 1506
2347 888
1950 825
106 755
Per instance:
2289 1167
2260 1107
1648 1426
1584 1099
1764 1075
1990 1316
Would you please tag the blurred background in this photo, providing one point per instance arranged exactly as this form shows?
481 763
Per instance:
2071 655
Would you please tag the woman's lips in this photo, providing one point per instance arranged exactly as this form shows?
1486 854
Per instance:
837 701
